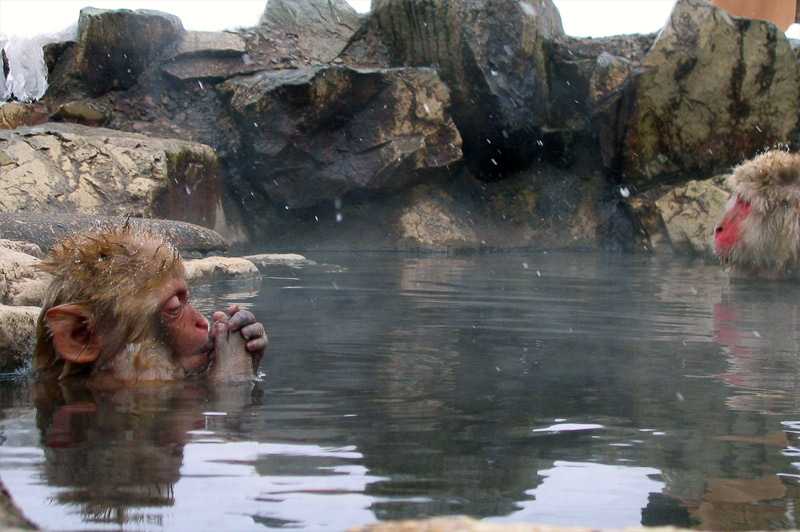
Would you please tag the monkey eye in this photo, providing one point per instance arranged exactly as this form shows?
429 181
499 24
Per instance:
743 205
173 306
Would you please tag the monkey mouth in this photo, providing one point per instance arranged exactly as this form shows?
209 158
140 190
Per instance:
200 360
724 254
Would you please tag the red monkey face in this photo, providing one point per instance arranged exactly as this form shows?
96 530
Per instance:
728 233
185 329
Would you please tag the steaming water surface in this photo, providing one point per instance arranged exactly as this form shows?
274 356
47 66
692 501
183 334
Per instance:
599 390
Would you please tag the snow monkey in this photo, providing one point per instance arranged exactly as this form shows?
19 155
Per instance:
118 311
759 233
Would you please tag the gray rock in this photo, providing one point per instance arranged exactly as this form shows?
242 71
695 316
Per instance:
114 47
45 229
209 56
493 56
315 134
323 27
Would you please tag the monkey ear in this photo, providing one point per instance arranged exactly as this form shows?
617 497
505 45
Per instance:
73 337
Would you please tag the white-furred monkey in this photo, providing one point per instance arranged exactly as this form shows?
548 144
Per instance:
759 233
118 311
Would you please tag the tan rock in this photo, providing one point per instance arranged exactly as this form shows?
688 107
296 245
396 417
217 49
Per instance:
55 168
13 114
21 282
279 259
433 221
209 269
210 42
23 247
690 212
17 336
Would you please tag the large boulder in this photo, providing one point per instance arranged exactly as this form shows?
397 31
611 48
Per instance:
313 135
493 56
712 91
114 47
69 168
323 27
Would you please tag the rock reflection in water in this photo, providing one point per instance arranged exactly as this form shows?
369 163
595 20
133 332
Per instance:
581 389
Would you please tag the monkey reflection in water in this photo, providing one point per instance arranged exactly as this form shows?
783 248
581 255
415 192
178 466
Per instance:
125 367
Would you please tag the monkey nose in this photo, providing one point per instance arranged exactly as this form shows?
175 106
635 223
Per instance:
201 322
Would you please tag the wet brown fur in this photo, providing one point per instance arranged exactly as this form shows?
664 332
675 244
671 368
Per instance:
133 262
770 234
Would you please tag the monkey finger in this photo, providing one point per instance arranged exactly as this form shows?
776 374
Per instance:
241 318
253 330
258 344
217 328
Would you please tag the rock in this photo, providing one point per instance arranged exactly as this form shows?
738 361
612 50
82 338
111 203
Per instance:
323 27
649 229
209 56
11 517
86 113
609 74
17 336
205 43
114 47
494 58
265 260
690 212
468 524
315 134
538 208
28 248
434 221
21 282
712 91
543 206
13 115
69 168
209 269
44 230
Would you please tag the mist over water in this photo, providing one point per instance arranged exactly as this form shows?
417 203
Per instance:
590 389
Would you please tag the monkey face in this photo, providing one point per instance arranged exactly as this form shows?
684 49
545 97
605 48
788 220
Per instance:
728 232
184 329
